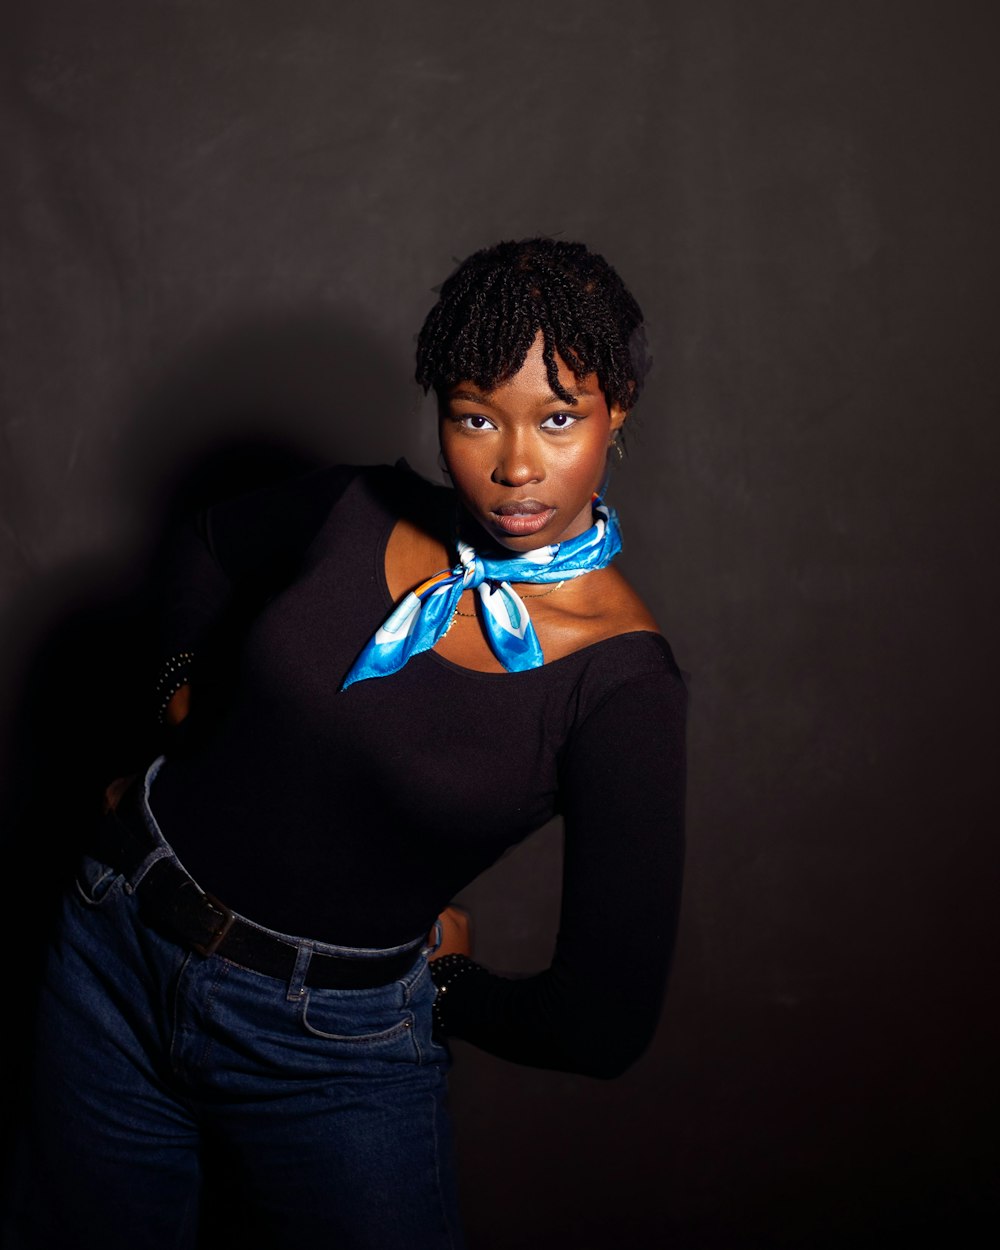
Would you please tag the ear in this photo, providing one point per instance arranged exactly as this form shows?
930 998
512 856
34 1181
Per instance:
617 414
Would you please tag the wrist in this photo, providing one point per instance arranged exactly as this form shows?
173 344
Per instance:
447 971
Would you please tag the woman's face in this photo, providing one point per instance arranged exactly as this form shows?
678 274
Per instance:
525 463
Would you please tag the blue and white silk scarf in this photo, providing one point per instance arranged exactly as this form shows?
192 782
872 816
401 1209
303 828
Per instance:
424 615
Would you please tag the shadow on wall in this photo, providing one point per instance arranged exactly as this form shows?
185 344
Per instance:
258 405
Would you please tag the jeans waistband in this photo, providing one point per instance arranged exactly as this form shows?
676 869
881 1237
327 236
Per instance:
170 900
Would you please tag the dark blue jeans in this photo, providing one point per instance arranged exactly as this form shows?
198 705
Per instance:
321 1113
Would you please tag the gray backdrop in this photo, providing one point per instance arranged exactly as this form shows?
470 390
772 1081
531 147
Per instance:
222 223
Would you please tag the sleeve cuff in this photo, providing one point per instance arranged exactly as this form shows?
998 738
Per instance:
175 672
446 973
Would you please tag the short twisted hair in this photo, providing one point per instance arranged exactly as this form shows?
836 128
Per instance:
493 305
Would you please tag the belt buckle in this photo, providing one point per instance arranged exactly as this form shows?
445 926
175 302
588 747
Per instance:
218 937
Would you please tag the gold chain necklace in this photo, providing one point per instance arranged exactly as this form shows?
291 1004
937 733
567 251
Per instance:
540 595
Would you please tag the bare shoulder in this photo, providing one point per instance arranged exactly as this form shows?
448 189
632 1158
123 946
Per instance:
625 610
589 609
412 554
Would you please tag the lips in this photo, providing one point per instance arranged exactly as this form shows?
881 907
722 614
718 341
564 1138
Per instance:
522 516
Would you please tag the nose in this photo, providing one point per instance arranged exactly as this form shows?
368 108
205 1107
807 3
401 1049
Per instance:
519 461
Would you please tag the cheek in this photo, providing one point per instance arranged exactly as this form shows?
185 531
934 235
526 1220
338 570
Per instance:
588 463
465 461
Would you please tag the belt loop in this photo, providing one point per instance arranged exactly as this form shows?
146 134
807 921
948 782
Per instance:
433 939
297 982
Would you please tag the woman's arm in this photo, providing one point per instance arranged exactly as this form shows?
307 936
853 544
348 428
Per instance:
595 1009
224 561
209 568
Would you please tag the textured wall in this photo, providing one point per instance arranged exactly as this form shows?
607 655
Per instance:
220 226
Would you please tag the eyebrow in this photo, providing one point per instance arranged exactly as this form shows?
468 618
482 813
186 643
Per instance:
474 397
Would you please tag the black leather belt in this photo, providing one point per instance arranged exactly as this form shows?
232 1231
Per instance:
173 903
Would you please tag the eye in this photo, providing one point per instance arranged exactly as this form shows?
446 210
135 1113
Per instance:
560 421
474 421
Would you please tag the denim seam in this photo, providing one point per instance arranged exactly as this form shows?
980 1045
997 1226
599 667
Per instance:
209 1046
437 1172
357 1039
175 1008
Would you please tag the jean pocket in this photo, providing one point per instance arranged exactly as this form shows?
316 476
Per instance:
357 1018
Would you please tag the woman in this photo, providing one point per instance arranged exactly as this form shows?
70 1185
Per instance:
377 685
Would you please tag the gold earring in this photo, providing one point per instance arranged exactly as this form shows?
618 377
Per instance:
617 446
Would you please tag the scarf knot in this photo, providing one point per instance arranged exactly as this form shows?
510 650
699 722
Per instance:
424 615
470 568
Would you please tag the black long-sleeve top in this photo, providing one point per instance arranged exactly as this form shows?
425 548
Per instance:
355 816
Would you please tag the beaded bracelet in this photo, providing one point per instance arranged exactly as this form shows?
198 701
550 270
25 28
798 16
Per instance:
174 674
445 971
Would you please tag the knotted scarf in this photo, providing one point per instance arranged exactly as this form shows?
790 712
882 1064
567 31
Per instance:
424 615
